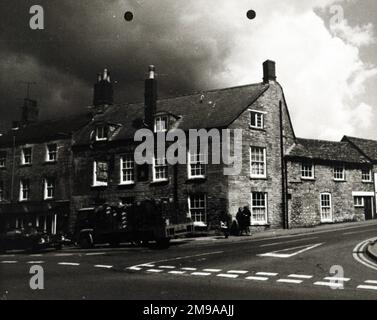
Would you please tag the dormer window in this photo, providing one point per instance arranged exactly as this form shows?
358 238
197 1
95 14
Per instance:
101 133
161 124
257 119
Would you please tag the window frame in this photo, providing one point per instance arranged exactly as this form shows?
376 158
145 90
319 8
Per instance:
154 166
330 207
22 190
194 215
95 182
356 204
47 188
105 133
312 170
255 222
23 156
123 169
258 176
3 159
343 178
201 163
49 152
369 174
254 115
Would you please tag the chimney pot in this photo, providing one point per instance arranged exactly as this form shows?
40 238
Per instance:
151 72
269 71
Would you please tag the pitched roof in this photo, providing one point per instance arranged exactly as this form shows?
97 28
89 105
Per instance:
217 109
326 150
366 146
46 130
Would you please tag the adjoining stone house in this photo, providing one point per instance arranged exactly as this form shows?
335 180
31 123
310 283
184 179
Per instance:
329 182
105 170
35 171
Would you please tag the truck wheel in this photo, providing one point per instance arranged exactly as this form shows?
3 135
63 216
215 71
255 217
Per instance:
86 242
163 243
114 244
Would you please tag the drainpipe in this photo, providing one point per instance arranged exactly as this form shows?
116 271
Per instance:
283 171
14 130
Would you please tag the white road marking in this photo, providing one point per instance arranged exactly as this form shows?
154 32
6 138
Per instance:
276 254
300 276
68 264
189 269
95 254
284 242
35 262
257 278
238 271
212 270
134 268
224 275
155 270
289 281
177 272
167 267
328 284
356 232
267 274
371 281
63 254
358 254
337 279
367 287
146 265
201 274
103 266
185 257
7 255
8 262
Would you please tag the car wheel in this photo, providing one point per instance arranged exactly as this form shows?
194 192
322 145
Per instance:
86 242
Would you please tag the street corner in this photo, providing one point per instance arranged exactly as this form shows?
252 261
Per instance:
371 250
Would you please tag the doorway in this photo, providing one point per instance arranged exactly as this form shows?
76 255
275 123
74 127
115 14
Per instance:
368 208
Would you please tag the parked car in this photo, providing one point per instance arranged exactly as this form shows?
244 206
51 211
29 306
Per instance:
30 240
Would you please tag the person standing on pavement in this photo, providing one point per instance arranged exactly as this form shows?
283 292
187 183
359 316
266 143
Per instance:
240 221
247 217
225 223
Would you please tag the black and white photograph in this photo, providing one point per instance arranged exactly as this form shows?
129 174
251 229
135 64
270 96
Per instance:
186 155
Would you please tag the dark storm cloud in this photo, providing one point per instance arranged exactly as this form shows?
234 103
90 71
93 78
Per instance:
82 37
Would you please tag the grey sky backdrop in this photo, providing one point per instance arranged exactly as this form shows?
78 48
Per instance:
328 71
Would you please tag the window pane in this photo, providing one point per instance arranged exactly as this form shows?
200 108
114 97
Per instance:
258 162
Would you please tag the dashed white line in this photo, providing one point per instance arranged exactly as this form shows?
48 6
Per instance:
238 271
35 262
103 266
177 272
257 278
267 274
328 284
189 269
337 279
35 255
367 287
167 267
95 254
295 281
300 276
134 268
201 274
371 281
68 264
8 262
63 254
155 270
147 265
212 270
227 275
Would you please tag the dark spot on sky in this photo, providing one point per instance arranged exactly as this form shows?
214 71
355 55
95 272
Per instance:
128 16
251 14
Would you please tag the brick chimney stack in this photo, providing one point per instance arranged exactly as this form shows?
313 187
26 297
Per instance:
269 71
103 90
30 112
150 97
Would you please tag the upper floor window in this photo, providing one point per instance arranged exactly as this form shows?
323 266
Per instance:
339 173
24 190
2 196
256 119
197 208
52 152
160 169
196 165
161 124
366 175
100 173
307 171
258 162
26 156
127 169
3 159
101 133
259 208
49 188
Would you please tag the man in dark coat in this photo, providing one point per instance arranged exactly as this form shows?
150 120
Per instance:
240 221
247 217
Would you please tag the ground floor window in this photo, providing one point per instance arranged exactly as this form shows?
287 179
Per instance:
326 207
197 207
258 208
358 201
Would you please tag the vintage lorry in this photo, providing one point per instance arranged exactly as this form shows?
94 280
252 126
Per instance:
142 222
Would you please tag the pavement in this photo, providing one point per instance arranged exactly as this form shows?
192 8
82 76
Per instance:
328 262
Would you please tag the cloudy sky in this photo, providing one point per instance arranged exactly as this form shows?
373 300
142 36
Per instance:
324 49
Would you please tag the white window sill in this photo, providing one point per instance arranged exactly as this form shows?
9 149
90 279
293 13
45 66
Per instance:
99 185
259 224
256 128
340 180
126 183
363 181
200 224
197 178
307 178
160 180
258 177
